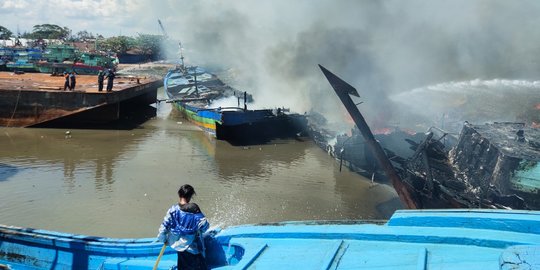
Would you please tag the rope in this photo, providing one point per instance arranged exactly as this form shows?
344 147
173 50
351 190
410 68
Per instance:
15 109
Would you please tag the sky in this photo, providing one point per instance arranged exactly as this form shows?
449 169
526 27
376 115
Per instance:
272 48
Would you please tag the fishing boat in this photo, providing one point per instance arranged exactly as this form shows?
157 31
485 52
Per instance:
410 239
68 66
62 57
192 90
24 59
58 53
6 55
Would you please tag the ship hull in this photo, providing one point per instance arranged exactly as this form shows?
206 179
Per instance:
236 125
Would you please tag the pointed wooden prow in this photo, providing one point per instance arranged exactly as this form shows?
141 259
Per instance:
338 84
344 90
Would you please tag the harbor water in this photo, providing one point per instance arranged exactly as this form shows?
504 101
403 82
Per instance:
120 183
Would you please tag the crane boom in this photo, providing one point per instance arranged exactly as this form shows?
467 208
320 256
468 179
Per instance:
162 28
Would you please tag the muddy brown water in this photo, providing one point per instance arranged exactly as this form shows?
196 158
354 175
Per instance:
121 183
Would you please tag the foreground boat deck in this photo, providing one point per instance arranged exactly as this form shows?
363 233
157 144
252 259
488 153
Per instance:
425 239
449 239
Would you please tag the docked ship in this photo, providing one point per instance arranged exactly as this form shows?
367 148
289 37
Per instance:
22 59
60 58
37 100
192 90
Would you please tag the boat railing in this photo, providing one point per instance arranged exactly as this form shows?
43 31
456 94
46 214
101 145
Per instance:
222 109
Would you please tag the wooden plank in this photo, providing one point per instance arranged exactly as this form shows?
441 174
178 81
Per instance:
50 88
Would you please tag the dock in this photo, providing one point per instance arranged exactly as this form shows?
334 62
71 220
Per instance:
38 100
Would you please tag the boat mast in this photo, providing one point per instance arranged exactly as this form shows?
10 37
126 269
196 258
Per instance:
195 78
245 101
181 56
343 90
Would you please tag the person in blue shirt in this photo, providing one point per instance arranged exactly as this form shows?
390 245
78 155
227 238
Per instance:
182 229
110 79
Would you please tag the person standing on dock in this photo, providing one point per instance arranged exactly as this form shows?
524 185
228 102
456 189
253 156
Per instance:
182 230
72 80
110 79
100 78
66 82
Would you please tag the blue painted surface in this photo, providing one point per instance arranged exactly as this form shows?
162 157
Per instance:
202 112
425 239
527 177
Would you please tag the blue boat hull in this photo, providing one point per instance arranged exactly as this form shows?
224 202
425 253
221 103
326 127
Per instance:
23 248
423 239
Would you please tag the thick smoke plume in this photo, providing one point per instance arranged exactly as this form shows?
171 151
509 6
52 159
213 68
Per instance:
383 48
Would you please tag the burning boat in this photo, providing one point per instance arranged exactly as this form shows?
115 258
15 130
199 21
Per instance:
488 168
504 156
192 91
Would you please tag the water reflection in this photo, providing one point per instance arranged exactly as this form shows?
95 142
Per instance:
80 152
120 183
236 162
7 171
104 173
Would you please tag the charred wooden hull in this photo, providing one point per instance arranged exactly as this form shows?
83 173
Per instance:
502 156
430 178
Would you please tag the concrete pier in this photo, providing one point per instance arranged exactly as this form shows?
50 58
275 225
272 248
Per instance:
32 100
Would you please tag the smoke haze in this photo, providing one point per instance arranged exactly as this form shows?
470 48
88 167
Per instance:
383 48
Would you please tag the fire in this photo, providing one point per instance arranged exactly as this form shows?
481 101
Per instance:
349 119
384 131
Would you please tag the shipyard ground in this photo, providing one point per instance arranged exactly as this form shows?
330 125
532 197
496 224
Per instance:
47 82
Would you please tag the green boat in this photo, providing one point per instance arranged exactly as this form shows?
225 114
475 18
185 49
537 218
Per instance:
58 53
60 58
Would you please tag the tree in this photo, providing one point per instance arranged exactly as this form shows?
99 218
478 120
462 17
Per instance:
49 31
118 44
150 44
84 35
5 33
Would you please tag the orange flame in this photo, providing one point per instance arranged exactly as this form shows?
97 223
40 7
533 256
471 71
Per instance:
383 131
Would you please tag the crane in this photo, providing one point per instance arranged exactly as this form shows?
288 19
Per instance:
162 29
165 35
